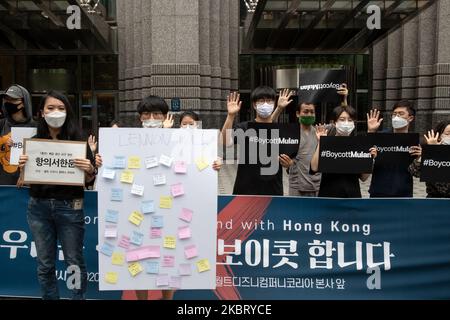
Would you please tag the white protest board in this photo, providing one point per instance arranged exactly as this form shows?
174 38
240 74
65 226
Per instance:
17 136
51 162
157 212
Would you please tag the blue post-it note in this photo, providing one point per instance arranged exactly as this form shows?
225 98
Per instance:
152 267
120 162
112 216
148 206
137 238
116 194
157 222
107 249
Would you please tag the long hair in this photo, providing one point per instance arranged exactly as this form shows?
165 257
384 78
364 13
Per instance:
336 113
69 130
441 126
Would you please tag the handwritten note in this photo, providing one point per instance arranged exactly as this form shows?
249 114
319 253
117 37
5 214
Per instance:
137 190
203 265
180 167
111 277
135 268
159 179
148 207
107 249
168 261
190 251
127 176
162 280
116 194
175 282
170 242
143 253
112 216
119 162
136 218
137 238
124 242
110 231
109 174
177 190
185 269
152 267
202 164
186 215
165 160
157 222
165 202
184 232
151 162
118 259
134 162
155 233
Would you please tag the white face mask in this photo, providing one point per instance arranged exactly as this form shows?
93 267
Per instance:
55 119
264 110
151 123
189 126
344 128
399 122
445 141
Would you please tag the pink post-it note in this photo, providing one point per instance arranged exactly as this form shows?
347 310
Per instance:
190 251
155 233
177 190
175 282
185 269
184 232
124 242
168 261
162 280
143 253
180 167
186 215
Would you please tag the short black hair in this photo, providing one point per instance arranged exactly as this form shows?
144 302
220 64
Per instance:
336 113
116 122
153 104
190 114
263 92
405 104
306 103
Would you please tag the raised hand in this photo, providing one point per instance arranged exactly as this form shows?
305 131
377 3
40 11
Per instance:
342 90
92 143
285 98
168 123
431 137
233 103
373 120
321 131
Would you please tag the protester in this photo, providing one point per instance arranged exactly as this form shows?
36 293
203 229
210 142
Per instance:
439 136
391 180
338 185
18 111
189 119
55 212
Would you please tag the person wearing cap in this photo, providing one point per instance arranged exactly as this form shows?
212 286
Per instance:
17 111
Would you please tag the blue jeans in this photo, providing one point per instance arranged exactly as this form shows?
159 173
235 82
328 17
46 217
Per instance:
51 220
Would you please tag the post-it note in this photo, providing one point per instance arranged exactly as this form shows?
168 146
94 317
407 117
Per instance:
111 277
159 180
109 174
127 176
162 280
168 261
135 268
184 232
134 162
107 249
142 253
116 194
152 267
175 282
148 207
137 190
185 269
186 215
151 162
155 233
203 265
110 231
118 259
165 160
119 162
124 242
177 190
201 163
190 251
112 216
136 218
180 167
137 238
170 242
157 222
165 202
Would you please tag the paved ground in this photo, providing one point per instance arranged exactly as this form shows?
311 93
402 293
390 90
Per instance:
228 173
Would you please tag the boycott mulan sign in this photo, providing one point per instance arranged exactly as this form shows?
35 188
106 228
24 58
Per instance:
320 86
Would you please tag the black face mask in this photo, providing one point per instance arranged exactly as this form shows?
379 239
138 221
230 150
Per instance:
11 108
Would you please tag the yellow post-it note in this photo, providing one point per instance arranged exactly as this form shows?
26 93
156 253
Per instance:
203 265
135 268
136 218
111 277
127 176
165 202
170 242
118 259
201 163
134 163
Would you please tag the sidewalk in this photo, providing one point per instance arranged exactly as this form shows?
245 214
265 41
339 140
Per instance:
227 176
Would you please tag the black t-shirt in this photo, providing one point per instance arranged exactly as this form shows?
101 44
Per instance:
249 179
338 185
61 192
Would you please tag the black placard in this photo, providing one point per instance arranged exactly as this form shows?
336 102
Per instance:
394 147
345 155
320 86
435 165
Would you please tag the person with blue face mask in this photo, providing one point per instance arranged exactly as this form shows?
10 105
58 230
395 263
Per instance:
392 180
439 136
250 179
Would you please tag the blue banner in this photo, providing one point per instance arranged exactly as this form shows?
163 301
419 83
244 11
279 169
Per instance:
280 248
